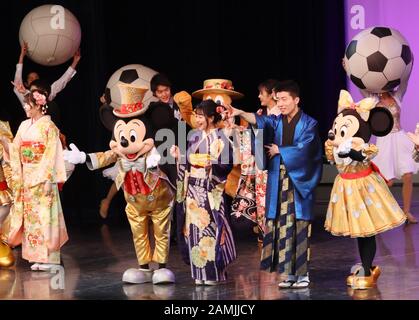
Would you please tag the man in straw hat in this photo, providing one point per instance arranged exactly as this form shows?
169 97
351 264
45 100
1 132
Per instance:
294 170
147 189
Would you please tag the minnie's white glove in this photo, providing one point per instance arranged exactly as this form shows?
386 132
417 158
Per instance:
153 159
345 147
74 155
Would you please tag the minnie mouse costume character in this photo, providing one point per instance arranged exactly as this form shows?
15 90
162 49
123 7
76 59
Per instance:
147 189
361 204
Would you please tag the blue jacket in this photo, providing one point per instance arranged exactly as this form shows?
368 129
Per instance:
302 160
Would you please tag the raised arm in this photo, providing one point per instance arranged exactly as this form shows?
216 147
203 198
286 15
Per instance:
61 83
19 88
184 102
247 116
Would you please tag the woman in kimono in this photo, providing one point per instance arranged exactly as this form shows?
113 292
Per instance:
35 156
207 241
251 195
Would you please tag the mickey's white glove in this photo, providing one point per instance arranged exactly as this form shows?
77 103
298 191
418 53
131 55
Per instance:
74 155
345 147
153 159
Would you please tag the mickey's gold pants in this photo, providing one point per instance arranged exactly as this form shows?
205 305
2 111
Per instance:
154 207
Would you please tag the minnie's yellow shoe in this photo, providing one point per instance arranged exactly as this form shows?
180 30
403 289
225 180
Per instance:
375 272
350 278
7 258
362 283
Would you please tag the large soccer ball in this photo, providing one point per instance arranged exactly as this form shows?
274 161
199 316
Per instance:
136 74
53 34
378 59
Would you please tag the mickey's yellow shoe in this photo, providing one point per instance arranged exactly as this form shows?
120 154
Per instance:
7 258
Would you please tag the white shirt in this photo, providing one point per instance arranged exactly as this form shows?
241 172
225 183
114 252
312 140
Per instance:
56 87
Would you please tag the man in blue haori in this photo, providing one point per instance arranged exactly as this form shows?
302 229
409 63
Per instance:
294 171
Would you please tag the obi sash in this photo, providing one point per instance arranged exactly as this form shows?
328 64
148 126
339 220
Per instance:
31 152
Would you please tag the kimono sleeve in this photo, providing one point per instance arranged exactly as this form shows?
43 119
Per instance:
303 160
263 134
52 167
224 162
266 122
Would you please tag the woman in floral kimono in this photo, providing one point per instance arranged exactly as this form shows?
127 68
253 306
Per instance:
251 195
35 156
208 244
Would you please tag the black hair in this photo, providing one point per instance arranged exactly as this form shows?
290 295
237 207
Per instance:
42 85
159 80
27 74
289 86
268 85
209 109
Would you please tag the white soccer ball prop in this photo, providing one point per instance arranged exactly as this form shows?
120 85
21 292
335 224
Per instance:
378 59
135 74
53 34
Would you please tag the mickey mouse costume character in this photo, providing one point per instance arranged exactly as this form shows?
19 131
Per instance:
147 189
361 204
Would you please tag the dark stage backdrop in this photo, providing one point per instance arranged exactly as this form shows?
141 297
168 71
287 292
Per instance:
245 41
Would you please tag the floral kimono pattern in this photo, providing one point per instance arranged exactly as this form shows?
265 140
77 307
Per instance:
207 236
37 220
249 202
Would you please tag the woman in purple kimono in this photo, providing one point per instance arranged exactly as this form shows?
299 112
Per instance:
206 239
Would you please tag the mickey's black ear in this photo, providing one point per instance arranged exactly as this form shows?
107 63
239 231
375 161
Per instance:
107 117
161 115
381 121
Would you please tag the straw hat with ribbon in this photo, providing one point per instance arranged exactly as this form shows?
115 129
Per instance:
217 86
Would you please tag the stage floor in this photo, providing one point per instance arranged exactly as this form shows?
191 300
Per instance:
97 255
